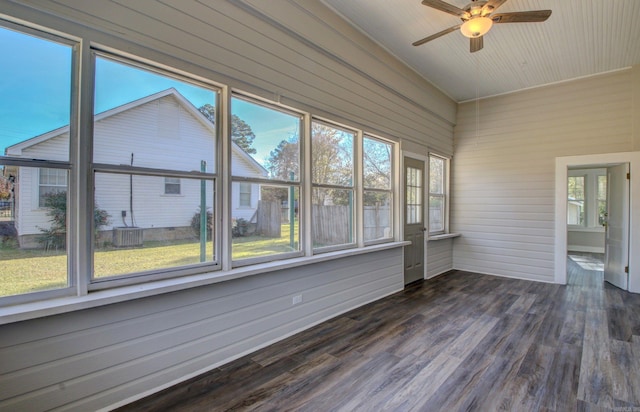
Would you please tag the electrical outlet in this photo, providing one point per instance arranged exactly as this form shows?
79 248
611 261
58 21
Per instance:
296 300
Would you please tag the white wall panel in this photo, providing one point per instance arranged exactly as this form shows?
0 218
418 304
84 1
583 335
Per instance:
503 176
439 257
93 358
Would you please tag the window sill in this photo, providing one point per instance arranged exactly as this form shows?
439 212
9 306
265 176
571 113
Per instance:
443 236
595 229
33 310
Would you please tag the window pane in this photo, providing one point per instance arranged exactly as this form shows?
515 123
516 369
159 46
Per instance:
377 216
413 195
332 217
436 175
266 142
377 164
602 199
138 229
436 213
146 119
33 254
35 97
331 155
171 186
272 228
35 109
575 204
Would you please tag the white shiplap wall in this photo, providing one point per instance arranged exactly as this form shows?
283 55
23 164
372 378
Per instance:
439 257
503 172
300 54
98 357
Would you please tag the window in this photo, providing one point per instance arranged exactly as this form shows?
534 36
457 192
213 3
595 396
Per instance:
587 199
161 135
437 194
51 182
575 209
332 169
35 109
378 190
602 199
171 186
146 183
245 194
265 189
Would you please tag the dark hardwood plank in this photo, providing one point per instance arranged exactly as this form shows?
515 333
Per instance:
462 341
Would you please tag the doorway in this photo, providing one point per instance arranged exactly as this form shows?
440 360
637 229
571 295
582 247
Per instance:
608 161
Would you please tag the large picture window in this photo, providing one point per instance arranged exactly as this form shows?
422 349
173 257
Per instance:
162 135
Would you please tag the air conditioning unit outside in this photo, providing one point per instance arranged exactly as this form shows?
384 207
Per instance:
128 237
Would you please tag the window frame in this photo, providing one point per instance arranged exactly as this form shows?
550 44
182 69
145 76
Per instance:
298 184
68 165
390 190
109 168
591 201
444 196
355 188
176 183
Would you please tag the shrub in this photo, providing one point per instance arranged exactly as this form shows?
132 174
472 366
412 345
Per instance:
195 224
56 205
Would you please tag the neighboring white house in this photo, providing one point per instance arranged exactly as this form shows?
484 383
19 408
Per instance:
136 130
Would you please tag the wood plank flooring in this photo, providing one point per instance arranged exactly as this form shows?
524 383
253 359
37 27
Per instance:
462 341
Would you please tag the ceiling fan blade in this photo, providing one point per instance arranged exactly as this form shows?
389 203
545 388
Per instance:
476 43
435 36
491 6
446 7
533 16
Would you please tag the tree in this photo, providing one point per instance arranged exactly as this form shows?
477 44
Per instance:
241 132
285 159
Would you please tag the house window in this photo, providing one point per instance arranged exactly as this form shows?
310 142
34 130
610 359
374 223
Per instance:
245 195
333 190
265 189
34 136
51 182
587 198
437 195
171 186
164 134
377 189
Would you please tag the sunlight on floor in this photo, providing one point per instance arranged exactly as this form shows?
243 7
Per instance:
588 262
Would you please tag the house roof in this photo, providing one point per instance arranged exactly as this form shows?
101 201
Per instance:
16 149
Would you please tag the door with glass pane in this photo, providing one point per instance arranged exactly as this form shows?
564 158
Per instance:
414 227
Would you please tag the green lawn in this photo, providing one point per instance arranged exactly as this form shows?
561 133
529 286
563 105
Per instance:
25 271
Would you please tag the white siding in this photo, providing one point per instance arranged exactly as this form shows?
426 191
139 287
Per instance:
94 358
503 174
439 257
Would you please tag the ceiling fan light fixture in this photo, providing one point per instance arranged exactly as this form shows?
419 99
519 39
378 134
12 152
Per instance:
476 27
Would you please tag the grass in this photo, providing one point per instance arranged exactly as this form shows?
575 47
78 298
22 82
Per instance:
23 271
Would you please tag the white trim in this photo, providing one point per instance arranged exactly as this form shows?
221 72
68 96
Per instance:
588 249
562 165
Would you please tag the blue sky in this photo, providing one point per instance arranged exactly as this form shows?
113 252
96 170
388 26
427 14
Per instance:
35 84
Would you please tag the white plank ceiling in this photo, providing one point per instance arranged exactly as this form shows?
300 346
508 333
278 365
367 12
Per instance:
581 38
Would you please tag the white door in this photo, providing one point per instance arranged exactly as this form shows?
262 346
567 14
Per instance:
616 258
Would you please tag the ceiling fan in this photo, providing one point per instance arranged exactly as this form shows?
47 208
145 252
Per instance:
478 17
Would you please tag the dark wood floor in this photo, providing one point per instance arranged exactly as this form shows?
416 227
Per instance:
462 341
